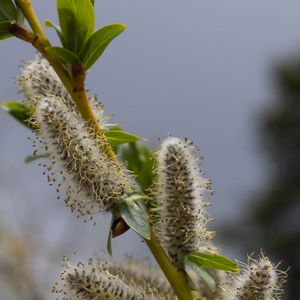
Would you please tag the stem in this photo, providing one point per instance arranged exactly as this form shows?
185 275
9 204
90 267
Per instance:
27 9
177 278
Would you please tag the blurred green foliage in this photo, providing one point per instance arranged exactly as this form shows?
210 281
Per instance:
277 210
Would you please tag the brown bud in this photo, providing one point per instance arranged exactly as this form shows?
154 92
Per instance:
22 33
118 227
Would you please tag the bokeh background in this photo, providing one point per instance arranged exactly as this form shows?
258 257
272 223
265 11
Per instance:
225 74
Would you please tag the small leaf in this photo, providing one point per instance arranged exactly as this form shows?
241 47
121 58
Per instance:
136 197
63 55
97 43
140 161
213 261
31 158
135 217
208 280
57 29
191 283
19 111
8 11
77 21
108 243
117 137
4 30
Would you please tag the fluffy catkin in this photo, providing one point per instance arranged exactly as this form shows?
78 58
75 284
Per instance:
93 182
180 191
258 280
142 274
38 80
95 282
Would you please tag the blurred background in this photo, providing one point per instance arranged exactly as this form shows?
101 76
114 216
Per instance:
225 74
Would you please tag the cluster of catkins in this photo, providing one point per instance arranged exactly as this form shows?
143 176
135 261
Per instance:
93 183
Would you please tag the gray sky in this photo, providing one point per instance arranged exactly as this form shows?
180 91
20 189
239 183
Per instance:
197 68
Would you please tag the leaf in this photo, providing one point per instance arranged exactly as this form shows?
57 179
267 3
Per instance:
135 217
208 280
63 55
140 161
57 29
136 197
97 43
117 137
108 243
4 30
31 158
77 21
8 10
19 111
213 261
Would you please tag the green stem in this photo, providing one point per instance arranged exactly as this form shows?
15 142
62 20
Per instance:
177 278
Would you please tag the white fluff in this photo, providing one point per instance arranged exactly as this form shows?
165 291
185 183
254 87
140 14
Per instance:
93 182
180 190
258 280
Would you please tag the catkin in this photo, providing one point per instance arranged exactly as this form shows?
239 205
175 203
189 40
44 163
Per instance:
94 281
180 191
142 274
258 280
93 182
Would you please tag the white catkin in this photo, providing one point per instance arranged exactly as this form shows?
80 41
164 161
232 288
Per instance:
38 80
142 274
93 281
93 182
258 280
181 191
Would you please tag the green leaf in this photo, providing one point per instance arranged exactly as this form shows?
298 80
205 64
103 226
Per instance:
57 29
4 30
19 111
97 43
118 137
213 261
135 217
77 21
8 11
63 55
136 197
208 280
109 237
31 158
139 160
191 283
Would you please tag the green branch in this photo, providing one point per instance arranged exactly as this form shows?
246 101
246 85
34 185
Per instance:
177 278
75 86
